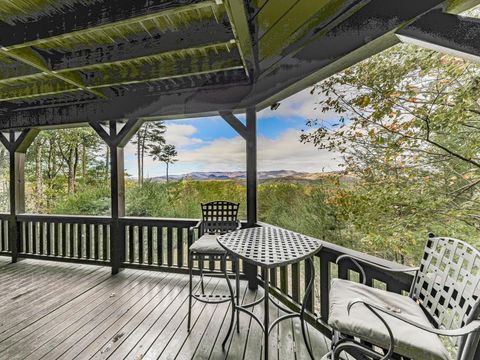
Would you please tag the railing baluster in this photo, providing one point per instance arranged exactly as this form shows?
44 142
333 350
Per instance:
159 245
179 247
104 242
150 244
324 286
79 241
63 242
27 238
140 244
310 300
88 241
284 279
296 282
47 233
169 246
131 235
3 246
273 277
40 238
71 241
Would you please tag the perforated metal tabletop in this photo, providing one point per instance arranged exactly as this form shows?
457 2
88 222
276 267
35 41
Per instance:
269 247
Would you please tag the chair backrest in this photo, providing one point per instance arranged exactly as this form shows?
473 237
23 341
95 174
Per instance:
447 285
219 217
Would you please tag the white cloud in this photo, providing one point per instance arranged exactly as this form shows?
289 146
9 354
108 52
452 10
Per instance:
181 135
283 153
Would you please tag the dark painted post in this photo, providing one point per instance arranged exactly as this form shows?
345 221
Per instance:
116 140
17 144
251 271
117 183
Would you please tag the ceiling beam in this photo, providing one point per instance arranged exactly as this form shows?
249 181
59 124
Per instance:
83 16
447 33
237 13
193 102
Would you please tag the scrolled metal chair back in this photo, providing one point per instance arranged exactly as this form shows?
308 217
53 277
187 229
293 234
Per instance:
447 285
219 217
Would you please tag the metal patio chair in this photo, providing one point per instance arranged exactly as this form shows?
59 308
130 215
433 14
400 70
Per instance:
218 217
443 301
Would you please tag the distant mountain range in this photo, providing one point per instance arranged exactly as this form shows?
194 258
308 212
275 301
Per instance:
241 175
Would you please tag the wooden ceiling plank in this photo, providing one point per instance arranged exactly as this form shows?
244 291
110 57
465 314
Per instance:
85 20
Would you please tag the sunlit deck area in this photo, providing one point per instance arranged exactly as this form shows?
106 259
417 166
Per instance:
51 310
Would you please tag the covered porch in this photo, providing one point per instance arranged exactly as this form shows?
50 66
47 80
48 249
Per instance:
113 65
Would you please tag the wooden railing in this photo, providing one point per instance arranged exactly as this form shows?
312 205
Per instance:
157 243
288 283
162 244
60 237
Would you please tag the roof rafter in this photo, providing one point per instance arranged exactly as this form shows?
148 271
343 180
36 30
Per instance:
439 31
29 57
237 14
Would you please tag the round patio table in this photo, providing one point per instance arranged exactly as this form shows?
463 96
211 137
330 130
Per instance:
268 248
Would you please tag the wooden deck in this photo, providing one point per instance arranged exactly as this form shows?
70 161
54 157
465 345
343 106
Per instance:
52 310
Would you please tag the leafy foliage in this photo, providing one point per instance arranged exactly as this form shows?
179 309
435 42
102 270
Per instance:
409 129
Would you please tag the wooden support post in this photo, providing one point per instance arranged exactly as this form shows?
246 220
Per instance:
116 140
251 271
249 133
17 143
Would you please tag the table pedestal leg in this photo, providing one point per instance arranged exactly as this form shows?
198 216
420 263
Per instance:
266 317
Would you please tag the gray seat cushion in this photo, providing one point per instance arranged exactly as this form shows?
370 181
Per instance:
207 244
362 323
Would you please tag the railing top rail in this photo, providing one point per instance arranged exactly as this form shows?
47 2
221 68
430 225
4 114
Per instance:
65 218
157 219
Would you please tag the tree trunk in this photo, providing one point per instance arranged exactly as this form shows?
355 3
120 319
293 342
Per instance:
84 162
139 163
167 172
107 163
142 149
38 178
75 168
71 171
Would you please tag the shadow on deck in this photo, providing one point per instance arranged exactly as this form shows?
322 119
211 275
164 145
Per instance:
53 310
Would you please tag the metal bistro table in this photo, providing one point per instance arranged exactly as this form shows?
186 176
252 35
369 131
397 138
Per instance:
268 248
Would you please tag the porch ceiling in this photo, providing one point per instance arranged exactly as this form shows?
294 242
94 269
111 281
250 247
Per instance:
70 61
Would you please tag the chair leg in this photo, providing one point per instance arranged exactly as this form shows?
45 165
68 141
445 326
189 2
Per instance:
237 292
200 263
190 289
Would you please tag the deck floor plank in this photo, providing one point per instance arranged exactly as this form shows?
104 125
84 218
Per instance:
71 311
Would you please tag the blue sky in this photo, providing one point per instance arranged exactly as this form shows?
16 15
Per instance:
210 144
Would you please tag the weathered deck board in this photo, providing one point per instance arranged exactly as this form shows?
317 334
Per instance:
51 310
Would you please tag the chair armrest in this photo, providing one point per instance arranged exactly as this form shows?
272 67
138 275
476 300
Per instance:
239 225
356 261
197 226
464 330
